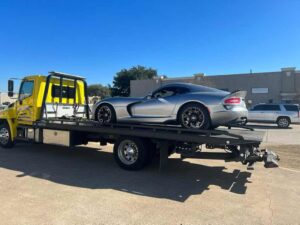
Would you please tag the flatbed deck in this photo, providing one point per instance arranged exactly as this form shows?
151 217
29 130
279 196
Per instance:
243 143
233 136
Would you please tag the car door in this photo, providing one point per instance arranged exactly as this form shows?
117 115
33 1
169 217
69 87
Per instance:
270 112
255 114
266 112
25 103
161 104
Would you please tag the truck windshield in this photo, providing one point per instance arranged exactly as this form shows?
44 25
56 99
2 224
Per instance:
26 89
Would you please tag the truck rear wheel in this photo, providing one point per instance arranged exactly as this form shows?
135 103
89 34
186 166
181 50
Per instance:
131 153
5 136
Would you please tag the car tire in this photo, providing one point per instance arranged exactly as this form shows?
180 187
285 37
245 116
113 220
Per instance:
5 136
131 153
105 114
194 116
244 122
283 122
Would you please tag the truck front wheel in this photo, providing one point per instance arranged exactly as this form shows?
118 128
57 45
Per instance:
5 136
131 153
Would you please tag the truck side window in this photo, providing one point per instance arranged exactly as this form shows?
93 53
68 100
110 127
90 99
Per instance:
26 89
67 92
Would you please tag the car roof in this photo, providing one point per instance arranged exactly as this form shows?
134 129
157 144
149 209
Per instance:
192 87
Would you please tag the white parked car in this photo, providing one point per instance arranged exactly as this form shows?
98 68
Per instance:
281 114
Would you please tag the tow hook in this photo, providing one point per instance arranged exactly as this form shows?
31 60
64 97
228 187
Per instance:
270 158
250 155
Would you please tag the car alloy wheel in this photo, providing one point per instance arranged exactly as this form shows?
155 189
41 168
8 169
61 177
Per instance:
283 122
104 114
193 117
128 152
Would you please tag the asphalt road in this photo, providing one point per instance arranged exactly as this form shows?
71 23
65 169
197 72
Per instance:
55 185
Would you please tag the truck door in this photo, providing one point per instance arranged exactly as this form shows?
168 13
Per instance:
25 103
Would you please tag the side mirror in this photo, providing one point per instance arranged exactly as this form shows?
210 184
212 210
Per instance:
149 96
10 88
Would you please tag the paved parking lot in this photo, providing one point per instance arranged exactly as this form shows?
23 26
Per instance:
55 185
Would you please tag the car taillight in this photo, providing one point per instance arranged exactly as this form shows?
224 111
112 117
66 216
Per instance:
232 101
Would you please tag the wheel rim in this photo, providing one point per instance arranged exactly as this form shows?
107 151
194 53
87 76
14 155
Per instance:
104 114
128 152
193 117
283 122
4 136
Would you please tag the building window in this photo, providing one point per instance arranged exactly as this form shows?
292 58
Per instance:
260 90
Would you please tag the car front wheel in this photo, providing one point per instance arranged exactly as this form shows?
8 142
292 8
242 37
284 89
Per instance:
105 114
194 116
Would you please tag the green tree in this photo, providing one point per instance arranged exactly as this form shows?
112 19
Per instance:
121 82
98 90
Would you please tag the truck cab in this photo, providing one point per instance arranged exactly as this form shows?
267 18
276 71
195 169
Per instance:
57 95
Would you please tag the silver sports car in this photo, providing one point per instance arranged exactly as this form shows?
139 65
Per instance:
191 106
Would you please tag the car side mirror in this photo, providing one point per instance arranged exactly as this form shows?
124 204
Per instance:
10 88
149 96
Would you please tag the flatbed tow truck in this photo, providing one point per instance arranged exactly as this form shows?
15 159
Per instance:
54 110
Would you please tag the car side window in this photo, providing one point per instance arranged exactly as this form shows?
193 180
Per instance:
257 108
291 108
181 90
170 91
266 108
272 108
26 89
163 93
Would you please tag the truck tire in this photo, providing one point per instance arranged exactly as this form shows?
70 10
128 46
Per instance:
131 153
283 122
5 136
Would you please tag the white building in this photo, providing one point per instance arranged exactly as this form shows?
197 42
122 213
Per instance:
4 98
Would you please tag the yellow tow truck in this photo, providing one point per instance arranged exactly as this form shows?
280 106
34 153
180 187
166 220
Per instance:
54 110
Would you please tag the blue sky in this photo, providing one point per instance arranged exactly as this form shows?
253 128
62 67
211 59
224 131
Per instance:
178 38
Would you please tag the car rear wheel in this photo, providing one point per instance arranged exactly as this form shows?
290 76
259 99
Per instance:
5 136
105 114
283 122
194 116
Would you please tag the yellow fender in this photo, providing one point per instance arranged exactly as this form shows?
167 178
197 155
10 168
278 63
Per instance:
12 127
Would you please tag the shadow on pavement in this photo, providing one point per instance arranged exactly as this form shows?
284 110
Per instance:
88 168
